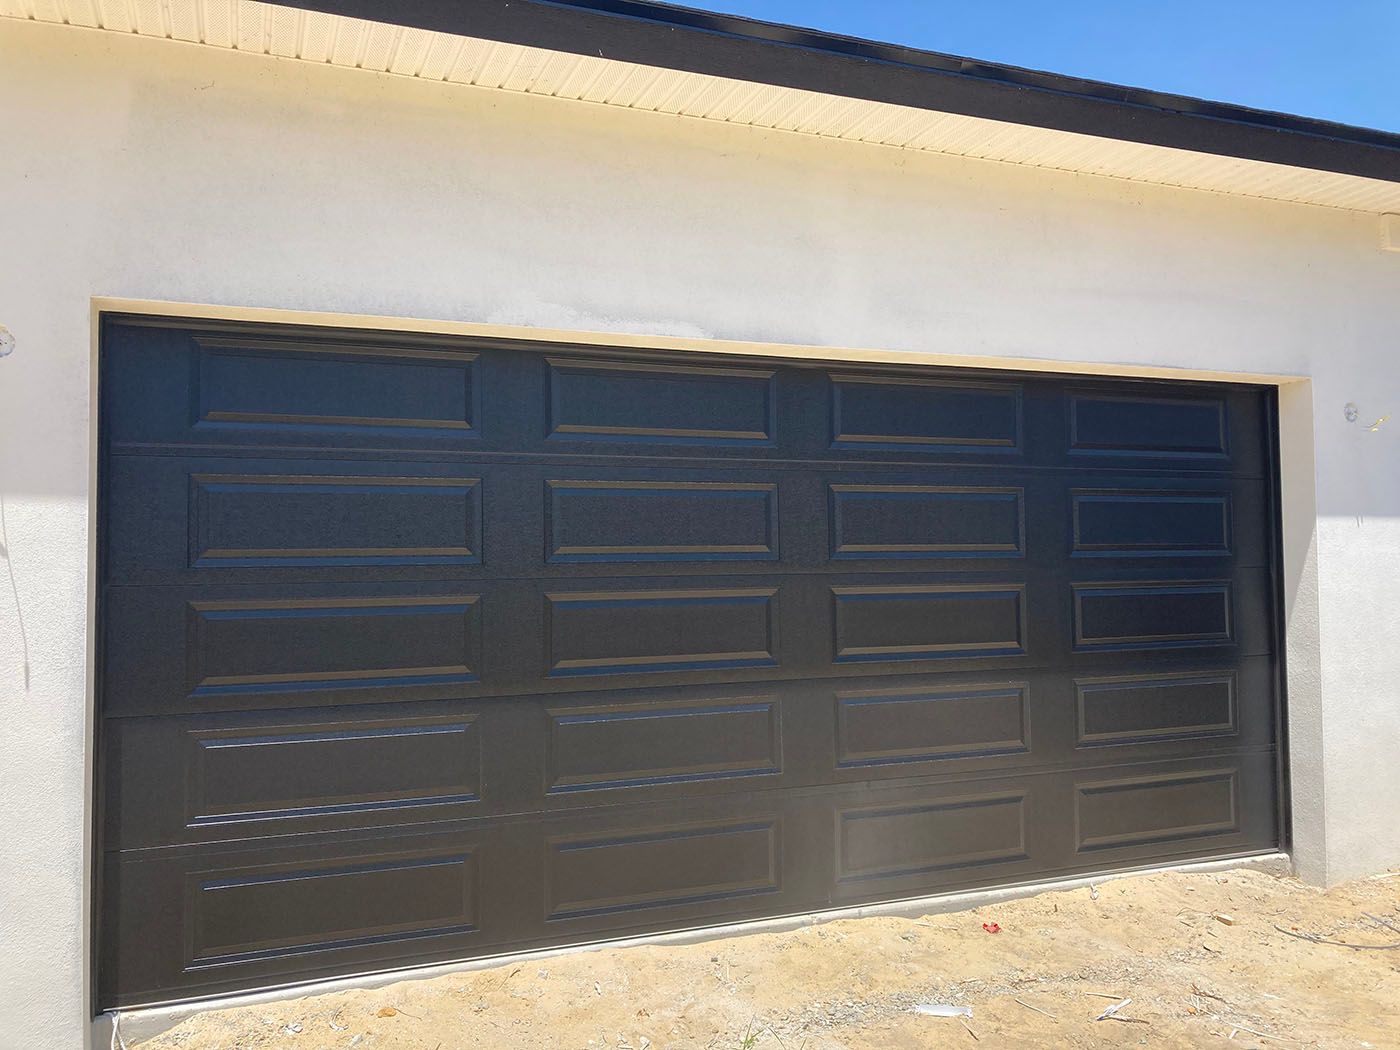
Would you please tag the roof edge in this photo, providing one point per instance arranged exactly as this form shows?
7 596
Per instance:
689 40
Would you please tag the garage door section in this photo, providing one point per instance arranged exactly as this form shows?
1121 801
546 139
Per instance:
421 649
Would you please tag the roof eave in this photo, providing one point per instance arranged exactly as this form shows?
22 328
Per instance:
734 48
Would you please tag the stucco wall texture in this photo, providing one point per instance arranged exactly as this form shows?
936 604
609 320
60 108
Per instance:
160 171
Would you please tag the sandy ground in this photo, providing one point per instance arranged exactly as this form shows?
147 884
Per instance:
1059 961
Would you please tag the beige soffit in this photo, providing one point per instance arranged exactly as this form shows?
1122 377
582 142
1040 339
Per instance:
269 29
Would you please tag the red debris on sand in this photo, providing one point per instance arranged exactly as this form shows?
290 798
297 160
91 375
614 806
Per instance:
991 927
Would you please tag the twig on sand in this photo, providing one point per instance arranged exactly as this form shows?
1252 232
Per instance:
1111 1014
1265 1035
1210 995
1315 939
1113 1009
1037 1009
971 1032
1382 922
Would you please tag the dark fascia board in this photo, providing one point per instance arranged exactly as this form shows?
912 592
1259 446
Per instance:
669 37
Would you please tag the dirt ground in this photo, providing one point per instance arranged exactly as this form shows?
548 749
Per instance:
1199 955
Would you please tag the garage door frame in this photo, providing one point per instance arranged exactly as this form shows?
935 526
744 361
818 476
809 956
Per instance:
595 350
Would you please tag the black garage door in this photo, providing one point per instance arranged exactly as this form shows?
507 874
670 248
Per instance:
418 649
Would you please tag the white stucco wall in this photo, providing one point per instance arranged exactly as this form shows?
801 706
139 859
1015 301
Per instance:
155 170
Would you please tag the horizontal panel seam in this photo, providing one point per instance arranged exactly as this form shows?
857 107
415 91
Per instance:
1099 774
747 462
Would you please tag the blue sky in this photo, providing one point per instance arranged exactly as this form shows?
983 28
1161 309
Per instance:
1335 59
